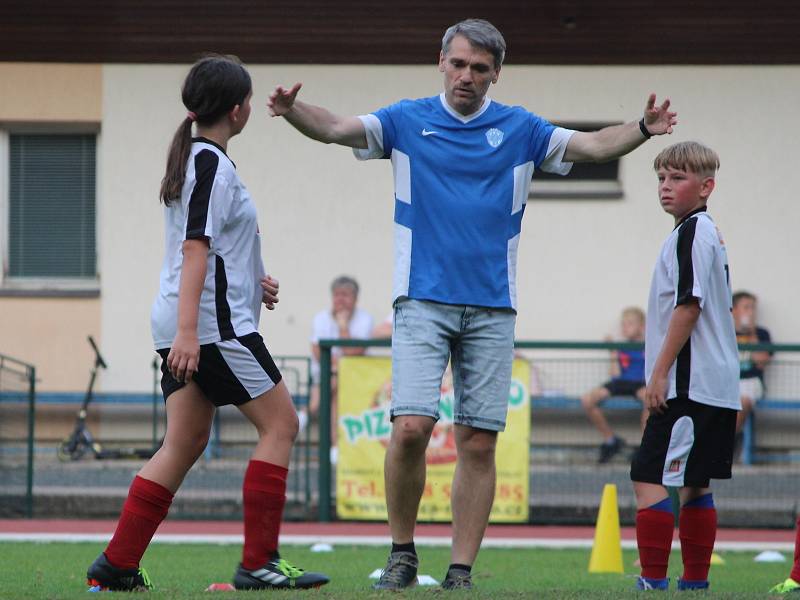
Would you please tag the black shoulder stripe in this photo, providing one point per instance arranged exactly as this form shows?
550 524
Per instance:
685 266
205 170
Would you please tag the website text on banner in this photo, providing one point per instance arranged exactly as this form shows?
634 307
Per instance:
365 388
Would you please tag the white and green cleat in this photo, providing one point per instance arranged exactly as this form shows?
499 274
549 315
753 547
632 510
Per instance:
786 587
277 574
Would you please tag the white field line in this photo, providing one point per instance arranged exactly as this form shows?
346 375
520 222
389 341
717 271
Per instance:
376 540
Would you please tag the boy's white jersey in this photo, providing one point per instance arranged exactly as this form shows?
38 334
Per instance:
694 264
216 206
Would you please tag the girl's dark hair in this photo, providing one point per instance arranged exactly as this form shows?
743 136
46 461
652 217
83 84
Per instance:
214 85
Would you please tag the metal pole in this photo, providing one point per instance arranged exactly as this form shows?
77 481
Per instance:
306 442
155 403
31 433
325 431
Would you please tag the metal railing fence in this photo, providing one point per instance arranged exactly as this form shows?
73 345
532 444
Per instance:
17 434
565 477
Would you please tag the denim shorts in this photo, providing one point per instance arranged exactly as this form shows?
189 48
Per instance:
478 341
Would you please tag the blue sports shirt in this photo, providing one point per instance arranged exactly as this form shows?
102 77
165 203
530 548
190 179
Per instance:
631 365
460 187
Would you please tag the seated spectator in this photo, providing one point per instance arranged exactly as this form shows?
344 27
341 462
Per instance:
343 320
751 364
627 379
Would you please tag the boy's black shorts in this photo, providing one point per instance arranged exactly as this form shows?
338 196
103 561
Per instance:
688 445
230 372
623 387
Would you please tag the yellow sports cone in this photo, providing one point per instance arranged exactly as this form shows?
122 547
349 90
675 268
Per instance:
716 559
607 548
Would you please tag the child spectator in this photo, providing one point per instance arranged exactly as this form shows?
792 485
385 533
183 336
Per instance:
627 379
751 364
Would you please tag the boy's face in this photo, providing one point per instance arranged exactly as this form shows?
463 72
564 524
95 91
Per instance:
680 192
744 313
632 328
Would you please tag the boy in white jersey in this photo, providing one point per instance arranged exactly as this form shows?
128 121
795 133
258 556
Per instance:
463 165
692 370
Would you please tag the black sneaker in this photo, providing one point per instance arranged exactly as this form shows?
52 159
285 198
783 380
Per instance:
103 576
457 579
400 572
609 449
277 574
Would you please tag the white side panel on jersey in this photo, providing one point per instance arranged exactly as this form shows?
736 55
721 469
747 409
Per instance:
374 132
402 176
513 246
554 161
522 185
681 441
402 264
245 367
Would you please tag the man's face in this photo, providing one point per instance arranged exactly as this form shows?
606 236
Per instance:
344 299
680 192
744 313
468 73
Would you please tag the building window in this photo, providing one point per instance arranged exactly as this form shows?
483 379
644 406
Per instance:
586 181
51 208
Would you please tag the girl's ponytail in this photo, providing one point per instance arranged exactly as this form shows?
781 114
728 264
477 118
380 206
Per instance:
172 184
214 85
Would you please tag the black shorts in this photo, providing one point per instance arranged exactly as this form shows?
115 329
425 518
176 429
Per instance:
230 372
688 445
623 387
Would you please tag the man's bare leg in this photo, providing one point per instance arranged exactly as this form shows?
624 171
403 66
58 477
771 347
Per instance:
404 473
473 491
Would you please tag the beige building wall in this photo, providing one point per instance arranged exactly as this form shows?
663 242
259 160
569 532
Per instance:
322 213
50 92
48 332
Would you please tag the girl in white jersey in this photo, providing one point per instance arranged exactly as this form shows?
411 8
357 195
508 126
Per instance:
205 327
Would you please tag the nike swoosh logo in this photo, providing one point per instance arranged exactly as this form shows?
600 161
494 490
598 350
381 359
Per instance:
426 133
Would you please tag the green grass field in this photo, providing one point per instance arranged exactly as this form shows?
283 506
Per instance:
57 570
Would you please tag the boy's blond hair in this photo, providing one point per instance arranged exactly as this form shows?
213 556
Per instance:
688 156
634 311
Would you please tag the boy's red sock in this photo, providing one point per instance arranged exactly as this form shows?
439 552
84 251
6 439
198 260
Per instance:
654 528
146 506
264 493
796 568
697 530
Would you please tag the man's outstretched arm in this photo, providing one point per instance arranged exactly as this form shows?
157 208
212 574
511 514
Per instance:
314 121
614 141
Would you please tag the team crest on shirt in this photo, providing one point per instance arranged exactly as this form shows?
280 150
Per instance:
495 137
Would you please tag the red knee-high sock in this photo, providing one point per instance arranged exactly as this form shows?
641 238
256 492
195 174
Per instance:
146 506
264 493
697 529
654 530
796 568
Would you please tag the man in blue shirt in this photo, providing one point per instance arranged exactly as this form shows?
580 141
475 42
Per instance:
463 165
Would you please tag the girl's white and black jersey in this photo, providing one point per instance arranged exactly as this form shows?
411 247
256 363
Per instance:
216 206
693 264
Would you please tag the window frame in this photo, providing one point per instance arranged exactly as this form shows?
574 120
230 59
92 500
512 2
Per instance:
82 287
566 188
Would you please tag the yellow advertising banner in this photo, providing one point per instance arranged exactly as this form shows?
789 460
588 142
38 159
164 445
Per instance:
365 388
